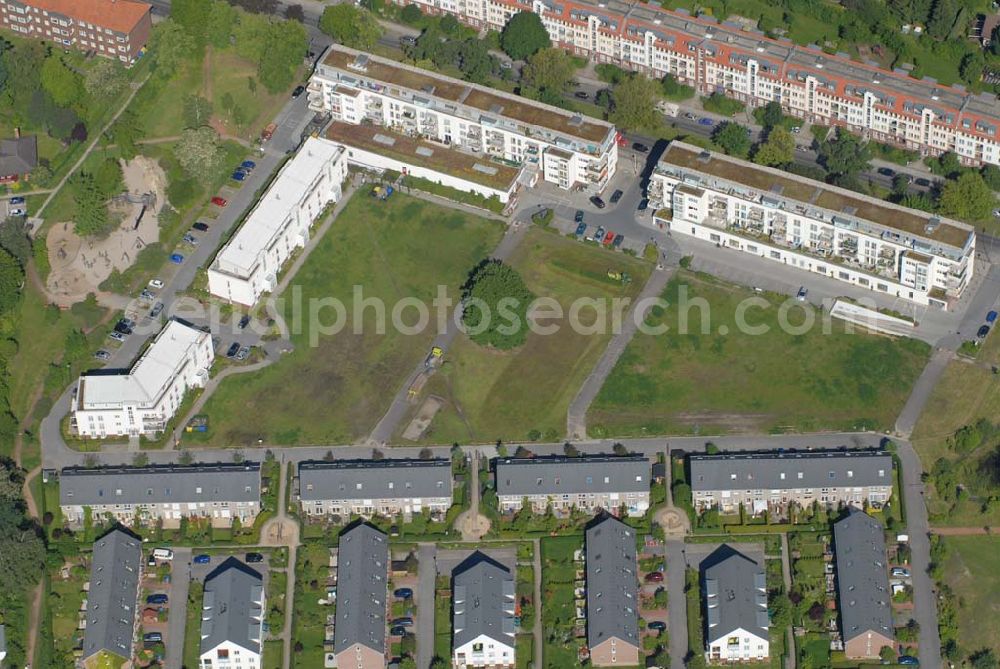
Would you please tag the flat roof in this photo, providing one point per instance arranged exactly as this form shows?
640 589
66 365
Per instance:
818 195
148 378
486 100
239 256
377 139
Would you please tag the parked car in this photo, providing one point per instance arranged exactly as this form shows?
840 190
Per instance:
155 311
146 295
155 283
157 598
991 317
17 211
408 39
618 241
801 295
796 129
654 577
233 350
245 321
689 116
608 238
16 200
254 557
403 593
597 202
299 90
117 336
983 331
506 65
200 227
908 661
617 195
152 637
248 165
704 120
922 182
900 572
397 631
656 625
886 171
123 328
405 621
219 201
581 228
599 235
102 355
578 217
643 204
238 175
202 559
640 147
582 95
190 239
243 353
176 258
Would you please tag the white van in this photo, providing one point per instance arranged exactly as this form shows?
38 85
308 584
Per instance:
163 554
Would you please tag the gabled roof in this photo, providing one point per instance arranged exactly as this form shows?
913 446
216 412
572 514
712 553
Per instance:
735 595
374 479
114 590
119 15
563 475
862 576
362 588
232 608
18 155
160 484
483 600
784 471
612 583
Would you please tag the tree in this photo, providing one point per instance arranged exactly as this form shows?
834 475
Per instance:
91 206
942 18
524 35
619 449
777 150
900 186
284 44
198 152
106 79
197 111
984 659
887 654
222 19
15 241
844 156
170 45
449 24
411 14
549 70
971 67
674 90
771 114
426 454
633 104
295 13
733 139
991 175
995 42
967 197
63 84
496 305
351 26
193 17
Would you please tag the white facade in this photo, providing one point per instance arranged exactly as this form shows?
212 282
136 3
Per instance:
564 148
483 651
812 226
141 401
248 265
821 88
737 646
228 655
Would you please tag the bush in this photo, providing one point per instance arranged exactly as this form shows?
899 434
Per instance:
411 14
718 103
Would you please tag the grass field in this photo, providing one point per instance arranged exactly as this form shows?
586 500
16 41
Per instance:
972 574
309 617
335 391
558 611
492 394
720 380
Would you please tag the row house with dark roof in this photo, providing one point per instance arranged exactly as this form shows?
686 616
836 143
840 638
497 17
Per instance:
723 57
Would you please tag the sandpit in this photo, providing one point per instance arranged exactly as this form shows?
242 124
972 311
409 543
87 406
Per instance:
80 264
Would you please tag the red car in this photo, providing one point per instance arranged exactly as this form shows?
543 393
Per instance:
219 201
608 238
654 577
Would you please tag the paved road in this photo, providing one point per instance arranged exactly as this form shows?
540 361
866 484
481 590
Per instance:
676 604
576 418
401 406
180 581
426 579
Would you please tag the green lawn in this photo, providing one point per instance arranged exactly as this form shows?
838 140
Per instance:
336 389
695 380
442 619
272 655
558 610
506 395
192 640
65 597
309 617
972 574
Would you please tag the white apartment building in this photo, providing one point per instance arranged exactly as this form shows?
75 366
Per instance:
714 56
142 400
558 146
812 226
248 265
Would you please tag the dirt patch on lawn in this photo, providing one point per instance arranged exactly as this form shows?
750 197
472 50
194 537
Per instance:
423 419
80 264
